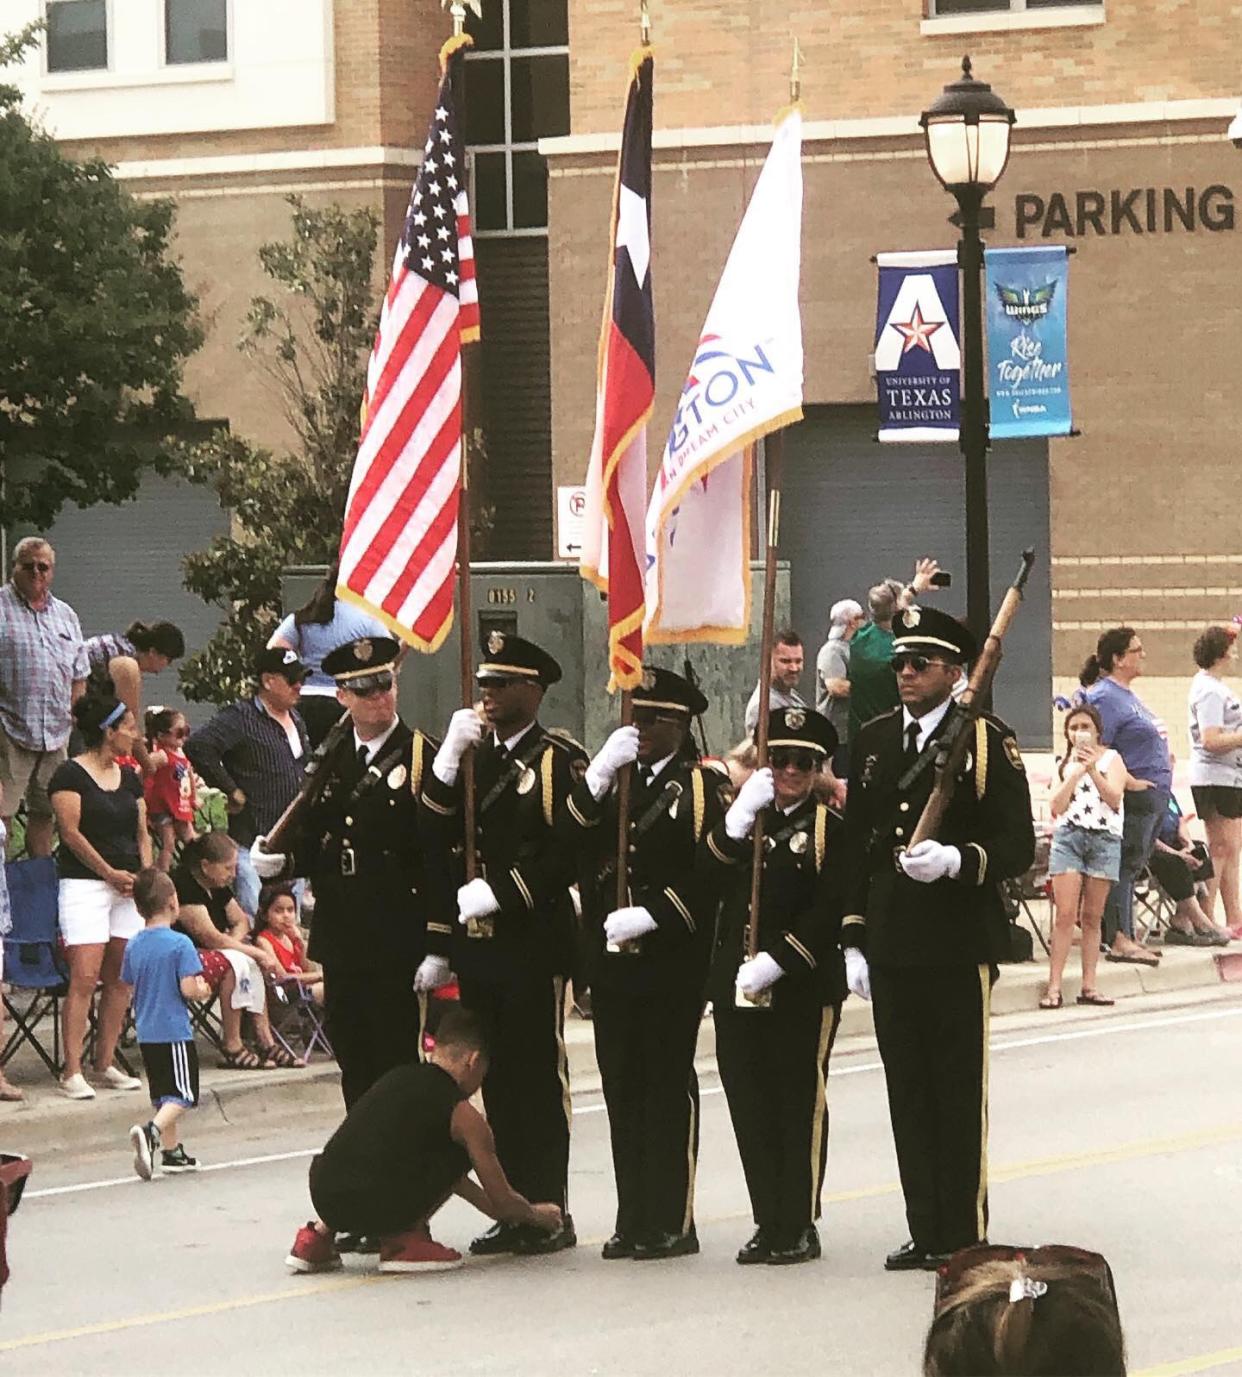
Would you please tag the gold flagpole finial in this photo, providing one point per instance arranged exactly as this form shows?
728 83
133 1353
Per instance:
795 73
644 23
457 9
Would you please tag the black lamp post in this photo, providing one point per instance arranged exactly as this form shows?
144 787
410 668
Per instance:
967 131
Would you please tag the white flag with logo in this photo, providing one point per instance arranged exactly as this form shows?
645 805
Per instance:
746 381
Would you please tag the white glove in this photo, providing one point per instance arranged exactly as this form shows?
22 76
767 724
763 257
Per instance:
619 750
857 973
465 729
268 865
624 924
475 900
753 977
752 798
928 861
433 971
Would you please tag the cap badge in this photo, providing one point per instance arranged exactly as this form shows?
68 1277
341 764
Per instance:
795 719
495 643
911 616
363 651
649 680
289 657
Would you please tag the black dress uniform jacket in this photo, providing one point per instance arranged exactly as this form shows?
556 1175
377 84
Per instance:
383 900
774 1061
648 1002
932 949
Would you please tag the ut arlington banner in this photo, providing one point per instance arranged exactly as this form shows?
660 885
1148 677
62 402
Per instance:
1028 368
918 360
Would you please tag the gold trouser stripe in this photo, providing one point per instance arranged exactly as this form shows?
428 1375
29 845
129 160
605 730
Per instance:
675 899
827 1024
983 863
422 1026
562 1052
692 1164
985 994
516 876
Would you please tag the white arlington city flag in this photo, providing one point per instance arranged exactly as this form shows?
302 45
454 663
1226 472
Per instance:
746 381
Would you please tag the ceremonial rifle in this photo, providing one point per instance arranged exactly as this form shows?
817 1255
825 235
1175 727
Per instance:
953 745
313 784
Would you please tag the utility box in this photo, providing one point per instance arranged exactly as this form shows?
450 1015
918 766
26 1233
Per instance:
552 605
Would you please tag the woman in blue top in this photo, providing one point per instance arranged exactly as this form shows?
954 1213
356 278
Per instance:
1131 729
313 631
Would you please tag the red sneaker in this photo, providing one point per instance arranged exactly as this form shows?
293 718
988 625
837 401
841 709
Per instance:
416 1252
313 1252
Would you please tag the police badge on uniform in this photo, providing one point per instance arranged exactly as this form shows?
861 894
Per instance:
397 777
1013 755
799 842
527 780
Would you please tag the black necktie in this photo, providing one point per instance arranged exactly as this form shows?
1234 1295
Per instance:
362 760
646 776
502 752
912 742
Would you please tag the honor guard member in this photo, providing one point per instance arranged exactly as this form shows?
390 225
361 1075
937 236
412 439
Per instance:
648 959
924 927
513 946
384 906
776 1016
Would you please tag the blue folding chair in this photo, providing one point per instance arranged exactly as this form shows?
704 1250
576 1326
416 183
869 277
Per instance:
32 959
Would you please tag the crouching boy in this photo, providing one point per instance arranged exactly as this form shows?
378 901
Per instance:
407 1145
165 971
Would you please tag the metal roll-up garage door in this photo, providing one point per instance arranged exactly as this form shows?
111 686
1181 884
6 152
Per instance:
854 512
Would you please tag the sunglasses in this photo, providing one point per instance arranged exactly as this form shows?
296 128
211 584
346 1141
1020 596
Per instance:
648 717
918 663
33 565
380 684
790 758
180 734
498 682
955 1273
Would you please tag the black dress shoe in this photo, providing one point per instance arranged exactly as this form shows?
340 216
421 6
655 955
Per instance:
357 1243
803 1247
500 1238
618 1246
666 1245
535 1242
757 1249
911 1258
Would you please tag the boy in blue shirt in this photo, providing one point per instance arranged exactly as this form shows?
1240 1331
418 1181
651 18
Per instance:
164 970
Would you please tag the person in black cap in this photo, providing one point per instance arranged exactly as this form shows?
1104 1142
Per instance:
254 751
776 1016
924 927
513 944
384 906
648 958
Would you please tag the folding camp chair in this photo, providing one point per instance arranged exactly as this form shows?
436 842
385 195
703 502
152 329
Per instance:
205 1020
297 1021
32 959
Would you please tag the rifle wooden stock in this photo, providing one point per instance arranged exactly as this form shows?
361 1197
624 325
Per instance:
953 748
312 784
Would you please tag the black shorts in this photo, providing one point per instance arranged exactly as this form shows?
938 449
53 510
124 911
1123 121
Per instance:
1217 801
172 1072
377 1208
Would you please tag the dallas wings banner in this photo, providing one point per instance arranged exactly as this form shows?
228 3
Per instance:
918 358
745 382
616 486
1028 368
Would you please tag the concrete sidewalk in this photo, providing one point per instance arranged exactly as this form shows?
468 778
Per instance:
47 1124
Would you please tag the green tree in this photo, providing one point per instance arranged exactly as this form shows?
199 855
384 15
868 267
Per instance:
312 340
95 324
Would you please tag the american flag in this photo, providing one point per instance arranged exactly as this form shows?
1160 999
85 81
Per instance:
613 540
399 547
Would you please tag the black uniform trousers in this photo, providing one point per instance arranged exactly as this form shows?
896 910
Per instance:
374 1021
526 1089
644 1043
773 1065
931 1024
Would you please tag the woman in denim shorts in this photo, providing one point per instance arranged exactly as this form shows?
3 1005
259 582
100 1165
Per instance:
1086 849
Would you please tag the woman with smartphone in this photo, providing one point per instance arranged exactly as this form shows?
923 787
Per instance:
1086 849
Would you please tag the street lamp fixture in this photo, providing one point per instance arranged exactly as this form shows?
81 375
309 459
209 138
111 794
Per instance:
967 132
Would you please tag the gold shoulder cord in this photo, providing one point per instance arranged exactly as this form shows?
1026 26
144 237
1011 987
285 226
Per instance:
821 835
698 790
981 757
416 763
545 772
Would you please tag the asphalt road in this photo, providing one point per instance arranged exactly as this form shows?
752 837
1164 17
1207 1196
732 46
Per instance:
1120 1132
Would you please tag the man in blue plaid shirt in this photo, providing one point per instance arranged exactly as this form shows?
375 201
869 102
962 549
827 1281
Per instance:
43 669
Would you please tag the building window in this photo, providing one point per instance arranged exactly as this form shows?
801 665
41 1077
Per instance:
196 31
943 7
77 35
516 93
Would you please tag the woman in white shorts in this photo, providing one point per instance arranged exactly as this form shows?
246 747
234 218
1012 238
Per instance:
101 819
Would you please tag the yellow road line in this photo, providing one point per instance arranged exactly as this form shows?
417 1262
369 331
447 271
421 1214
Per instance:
1017 1171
